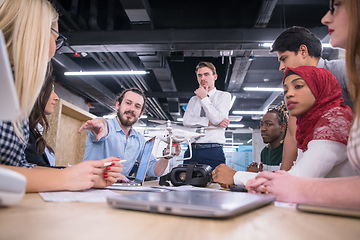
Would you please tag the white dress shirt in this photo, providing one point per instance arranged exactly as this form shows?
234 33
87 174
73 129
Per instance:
216 107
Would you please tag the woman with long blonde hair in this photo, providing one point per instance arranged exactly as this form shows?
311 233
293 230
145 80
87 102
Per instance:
30 29
343 21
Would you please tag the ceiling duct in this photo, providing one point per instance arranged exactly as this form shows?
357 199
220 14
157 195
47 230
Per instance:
239 71
93 15
177 56
266 11
137 13
162 72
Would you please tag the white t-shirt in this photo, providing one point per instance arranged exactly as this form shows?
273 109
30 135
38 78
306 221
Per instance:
353 147
323 159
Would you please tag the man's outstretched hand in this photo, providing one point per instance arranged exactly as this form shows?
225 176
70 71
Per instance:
98 127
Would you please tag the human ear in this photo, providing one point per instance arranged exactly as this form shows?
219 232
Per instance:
283 127
303 51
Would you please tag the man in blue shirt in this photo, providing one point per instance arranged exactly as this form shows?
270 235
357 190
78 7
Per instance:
117 138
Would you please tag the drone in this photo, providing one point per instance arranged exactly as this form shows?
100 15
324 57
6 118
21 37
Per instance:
172 136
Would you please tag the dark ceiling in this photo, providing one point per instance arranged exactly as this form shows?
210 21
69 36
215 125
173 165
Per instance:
169 38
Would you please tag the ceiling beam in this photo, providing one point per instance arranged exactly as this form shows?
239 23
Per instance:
174 39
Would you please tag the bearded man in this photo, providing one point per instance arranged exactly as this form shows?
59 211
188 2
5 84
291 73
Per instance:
116 137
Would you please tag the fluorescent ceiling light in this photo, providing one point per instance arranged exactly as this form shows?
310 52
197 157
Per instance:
249 112
234 143
326 45
262 89
95 73
180 119
267 44
229 150
236 125
230 147
232 101
249 141
143 117
235 118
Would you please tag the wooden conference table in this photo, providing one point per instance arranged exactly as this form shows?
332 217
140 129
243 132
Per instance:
34 218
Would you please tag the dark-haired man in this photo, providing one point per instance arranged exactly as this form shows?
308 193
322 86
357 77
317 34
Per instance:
295 47
273 127
116 137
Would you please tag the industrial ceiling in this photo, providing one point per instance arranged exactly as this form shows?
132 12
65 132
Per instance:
168 39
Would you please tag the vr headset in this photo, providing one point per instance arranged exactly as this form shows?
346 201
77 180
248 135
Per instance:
198 175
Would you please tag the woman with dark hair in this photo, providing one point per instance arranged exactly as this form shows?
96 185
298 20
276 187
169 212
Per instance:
38 151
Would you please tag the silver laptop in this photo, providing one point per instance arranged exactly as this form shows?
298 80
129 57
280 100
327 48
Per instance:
143 165
210 204
10 109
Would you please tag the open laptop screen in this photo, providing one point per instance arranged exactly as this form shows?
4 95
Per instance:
144 161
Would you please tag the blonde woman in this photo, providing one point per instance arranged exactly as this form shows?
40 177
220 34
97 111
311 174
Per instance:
343 20
30 29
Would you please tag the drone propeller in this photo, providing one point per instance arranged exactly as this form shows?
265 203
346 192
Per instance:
163 121
157 121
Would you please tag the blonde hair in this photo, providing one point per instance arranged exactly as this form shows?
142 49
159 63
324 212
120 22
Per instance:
26 25
353 52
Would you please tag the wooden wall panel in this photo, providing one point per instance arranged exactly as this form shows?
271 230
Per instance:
69 146
53 120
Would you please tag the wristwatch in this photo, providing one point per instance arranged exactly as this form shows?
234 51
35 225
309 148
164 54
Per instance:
164 153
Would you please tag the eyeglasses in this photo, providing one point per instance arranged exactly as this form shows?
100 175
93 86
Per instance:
60 41
331 7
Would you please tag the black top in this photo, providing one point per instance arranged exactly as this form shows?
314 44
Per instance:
32 156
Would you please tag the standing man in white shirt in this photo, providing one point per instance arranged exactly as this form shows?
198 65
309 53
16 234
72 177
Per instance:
209 108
